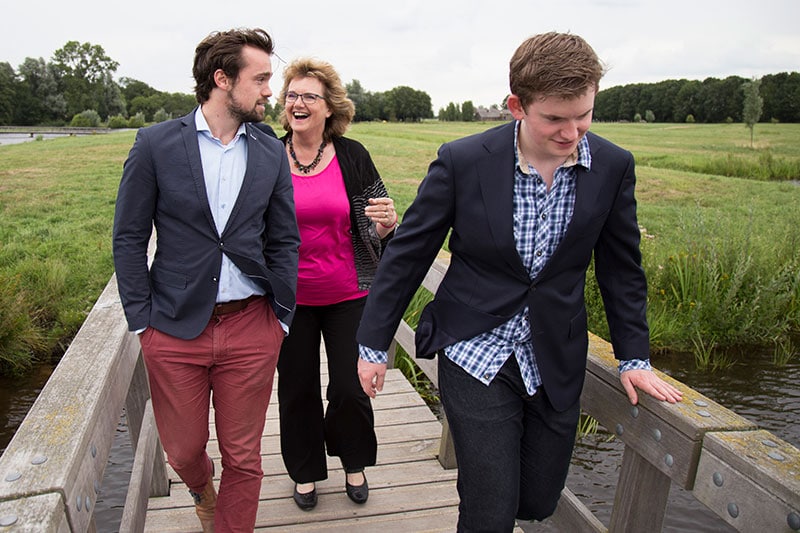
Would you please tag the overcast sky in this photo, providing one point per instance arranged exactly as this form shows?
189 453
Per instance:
455 50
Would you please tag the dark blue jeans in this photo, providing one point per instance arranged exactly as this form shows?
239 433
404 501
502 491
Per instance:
513 450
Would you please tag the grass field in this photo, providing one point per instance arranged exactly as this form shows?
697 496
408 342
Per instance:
720 228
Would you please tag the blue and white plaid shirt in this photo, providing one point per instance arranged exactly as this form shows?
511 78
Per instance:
541 218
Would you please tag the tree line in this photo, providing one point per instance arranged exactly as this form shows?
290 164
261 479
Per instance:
77 87
712 100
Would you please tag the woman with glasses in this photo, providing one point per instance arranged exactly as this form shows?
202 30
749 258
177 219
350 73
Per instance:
345 219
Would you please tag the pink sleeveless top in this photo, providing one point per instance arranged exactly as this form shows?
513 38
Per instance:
326 270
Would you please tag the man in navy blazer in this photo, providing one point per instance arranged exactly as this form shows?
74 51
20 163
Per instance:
527 204
213 308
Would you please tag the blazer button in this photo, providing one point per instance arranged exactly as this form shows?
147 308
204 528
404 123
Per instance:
214 280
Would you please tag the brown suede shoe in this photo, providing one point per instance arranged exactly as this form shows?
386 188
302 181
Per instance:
204 505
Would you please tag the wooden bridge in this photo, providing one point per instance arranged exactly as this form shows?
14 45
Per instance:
52 471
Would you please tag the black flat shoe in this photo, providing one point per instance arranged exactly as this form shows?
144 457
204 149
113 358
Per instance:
305 501
357 493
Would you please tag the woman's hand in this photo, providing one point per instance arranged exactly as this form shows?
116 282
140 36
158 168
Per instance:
382 213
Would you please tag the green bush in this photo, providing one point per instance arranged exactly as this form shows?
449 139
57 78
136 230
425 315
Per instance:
117 122
136 121
161 115
86 119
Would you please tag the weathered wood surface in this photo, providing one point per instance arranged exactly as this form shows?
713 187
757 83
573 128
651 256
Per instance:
409 490
42 512
751 479
668 435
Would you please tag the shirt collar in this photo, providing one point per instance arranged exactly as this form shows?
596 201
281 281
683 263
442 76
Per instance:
581 156
201 124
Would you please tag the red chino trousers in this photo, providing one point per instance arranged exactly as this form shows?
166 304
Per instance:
235 357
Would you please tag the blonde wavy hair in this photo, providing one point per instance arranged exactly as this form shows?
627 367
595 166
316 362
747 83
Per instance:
341 107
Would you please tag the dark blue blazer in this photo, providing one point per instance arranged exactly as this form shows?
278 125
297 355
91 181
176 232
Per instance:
469 190
162 186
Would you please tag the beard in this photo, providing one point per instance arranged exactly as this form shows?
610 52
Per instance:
238 111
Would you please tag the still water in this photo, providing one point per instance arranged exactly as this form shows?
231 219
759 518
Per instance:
754 388
16 138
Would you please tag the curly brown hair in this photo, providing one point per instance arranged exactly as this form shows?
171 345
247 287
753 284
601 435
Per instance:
554 64
223 50
341 107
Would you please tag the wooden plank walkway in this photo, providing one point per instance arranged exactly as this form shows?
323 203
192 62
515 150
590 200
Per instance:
409 489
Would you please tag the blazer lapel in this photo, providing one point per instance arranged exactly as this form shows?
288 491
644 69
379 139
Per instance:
496 178
196 165
254 155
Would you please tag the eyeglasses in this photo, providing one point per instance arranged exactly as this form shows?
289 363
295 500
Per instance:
307 98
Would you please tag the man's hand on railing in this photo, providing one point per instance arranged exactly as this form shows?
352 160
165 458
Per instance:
647 381
371 376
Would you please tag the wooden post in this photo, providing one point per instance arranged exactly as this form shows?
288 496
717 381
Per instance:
447 452
641 499
391 353
138 397
148 452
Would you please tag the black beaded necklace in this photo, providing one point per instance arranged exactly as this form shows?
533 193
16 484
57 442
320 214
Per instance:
305 169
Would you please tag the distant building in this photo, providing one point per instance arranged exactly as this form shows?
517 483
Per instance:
484 114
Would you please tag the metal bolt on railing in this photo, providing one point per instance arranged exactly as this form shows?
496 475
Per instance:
793 521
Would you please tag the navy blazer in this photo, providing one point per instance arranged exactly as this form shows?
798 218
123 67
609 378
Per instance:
163 186
469 189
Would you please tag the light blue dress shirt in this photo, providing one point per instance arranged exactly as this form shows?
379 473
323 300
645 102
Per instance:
224 166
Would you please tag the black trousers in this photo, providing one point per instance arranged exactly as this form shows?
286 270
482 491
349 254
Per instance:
346 427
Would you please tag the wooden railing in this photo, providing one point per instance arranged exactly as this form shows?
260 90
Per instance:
52 470
747 476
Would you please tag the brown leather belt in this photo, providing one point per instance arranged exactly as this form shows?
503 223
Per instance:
233 305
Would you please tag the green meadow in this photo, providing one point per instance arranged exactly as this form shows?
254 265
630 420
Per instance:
719 222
